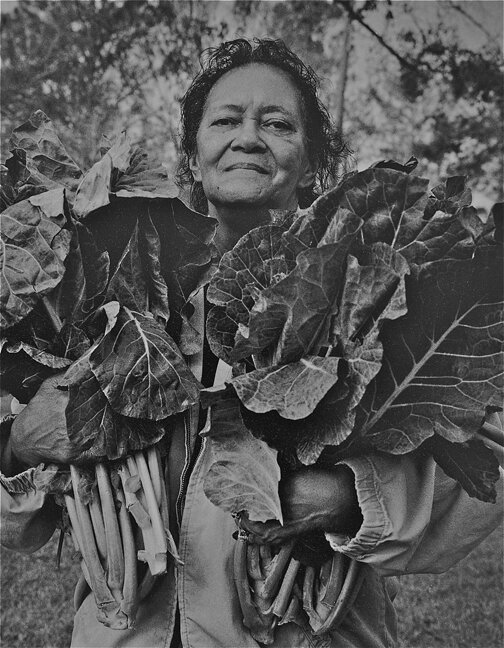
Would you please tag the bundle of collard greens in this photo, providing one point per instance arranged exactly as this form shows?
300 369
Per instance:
371 321
97 270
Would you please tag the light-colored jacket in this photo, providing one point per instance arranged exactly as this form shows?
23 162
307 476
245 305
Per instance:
415 520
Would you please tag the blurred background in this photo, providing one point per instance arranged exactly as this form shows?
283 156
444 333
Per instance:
420 78
400 78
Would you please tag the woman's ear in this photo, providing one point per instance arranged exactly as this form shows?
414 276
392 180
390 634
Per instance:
194 167
307 176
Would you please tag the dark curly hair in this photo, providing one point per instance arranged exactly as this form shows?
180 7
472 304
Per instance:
325 144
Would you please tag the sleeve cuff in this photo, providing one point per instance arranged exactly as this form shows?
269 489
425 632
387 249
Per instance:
389 489
375 524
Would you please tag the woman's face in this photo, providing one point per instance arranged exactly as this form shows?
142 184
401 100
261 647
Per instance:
251 143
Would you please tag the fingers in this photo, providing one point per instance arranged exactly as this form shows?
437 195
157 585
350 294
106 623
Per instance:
271 532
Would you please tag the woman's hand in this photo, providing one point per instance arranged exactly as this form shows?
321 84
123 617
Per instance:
39 432
313 500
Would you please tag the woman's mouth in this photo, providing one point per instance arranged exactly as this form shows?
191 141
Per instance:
247 166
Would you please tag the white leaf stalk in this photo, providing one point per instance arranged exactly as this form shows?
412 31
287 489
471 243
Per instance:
104 532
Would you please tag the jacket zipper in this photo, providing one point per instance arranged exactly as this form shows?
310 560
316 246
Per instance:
189 461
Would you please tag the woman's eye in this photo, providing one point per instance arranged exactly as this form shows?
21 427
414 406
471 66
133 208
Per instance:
224 121
278 124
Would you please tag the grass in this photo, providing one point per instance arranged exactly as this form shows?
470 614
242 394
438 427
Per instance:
459 609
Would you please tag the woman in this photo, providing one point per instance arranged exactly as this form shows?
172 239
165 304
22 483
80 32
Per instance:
255 138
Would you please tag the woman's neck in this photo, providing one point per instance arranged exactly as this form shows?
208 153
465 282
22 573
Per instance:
234 222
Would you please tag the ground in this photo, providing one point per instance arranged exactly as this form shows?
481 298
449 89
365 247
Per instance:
459 609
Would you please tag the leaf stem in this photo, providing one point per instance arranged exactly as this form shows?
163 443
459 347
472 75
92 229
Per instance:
74 521
81 590
154 470
346 598
330 590
146 584
292 613
115 556
284 594
108 609
276 569
129 603
98 526
493 433
52 314
260 630
253 563
131 484
154 552
308 588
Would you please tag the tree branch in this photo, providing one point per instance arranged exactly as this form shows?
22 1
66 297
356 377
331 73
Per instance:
410 65
471 19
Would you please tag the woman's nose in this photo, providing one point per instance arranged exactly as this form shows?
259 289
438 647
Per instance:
247 137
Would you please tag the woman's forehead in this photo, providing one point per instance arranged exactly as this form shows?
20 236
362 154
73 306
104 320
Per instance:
258 84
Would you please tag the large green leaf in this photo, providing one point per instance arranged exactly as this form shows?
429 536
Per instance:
260 282
141 180
396 209
389 206
141 371
94 429
125 172
20 375
293 390
243 473
257 261
158 290
443 359
82 289
42 357
34 246
221 330
95 187
373 292
137 281
180 238
45 153
291 314
128 283
71 341
20 179
384 198
471 463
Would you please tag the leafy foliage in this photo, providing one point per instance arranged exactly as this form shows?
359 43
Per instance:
140 370
471 463
444 359
431 83
244 473
38 140
33 239
377 323
94 275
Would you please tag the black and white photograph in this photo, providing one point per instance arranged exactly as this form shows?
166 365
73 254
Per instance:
251 323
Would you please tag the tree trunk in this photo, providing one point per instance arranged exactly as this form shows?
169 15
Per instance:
342 77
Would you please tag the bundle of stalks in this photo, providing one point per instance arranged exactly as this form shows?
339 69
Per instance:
129 501
276 588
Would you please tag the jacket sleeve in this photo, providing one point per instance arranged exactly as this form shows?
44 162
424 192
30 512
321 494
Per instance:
28 519
415 518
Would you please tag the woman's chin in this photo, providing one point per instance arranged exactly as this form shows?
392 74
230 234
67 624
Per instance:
245 199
